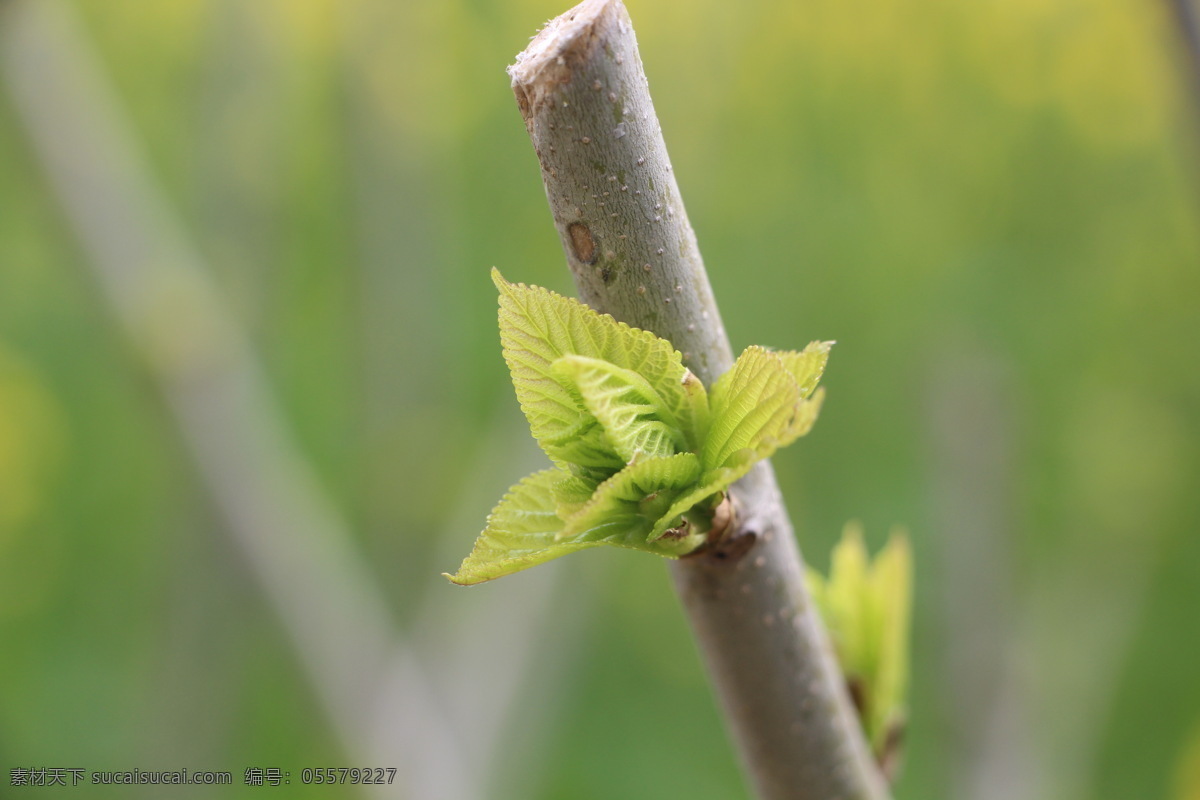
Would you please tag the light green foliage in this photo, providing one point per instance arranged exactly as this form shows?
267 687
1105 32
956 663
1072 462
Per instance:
760 405
537 328
630 412
867 607
642 453
521 531
629 504
526 528
808 365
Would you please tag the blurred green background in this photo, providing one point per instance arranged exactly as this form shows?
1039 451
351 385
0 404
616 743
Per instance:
992 207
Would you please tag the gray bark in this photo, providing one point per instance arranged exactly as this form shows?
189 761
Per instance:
615 202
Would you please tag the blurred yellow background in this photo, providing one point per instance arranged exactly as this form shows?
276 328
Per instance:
252 401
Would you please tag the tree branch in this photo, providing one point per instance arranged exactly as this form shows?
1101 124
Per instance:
586 104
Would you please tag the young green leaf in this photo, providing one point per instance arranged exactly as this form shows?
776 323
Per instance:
714 481
806 417
752 407
807 365
867 607
584 446
521 532
625 508
573 491
633 416
892 589
537 327
693 414
847 601
750 404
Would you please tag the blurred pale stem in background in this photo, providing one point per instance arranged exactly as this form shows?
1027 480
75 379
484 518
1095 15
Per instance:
376 689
